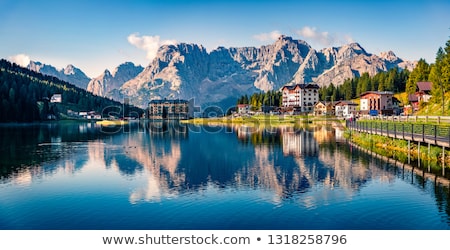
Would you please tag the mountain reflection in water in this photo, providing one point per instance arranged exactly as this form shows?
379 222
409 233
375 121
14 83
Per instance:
167 161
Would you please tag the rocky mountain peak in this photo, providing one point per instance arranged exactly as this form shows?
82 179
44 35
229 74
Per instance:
189 71
351 50
389 56
35 66
107 82
69 74
69 70
107 73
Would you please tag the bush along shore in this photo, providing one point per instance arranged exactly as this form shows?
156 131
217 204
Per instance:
398 149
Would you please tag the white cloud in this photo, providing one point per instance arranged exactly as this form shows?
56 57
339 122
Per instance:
150 44
324 38
271 36
20 59
348 39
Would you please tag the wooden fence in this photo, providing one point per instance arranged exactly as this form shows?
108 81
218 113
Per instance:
427 133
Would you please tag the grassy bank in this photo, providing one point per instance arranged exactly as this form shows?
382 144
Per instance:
263 120
398 149
436 107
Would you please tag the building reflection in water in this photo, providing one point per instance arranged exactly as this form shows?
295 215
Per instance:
158 153
172 159
287 175
317 161
299 142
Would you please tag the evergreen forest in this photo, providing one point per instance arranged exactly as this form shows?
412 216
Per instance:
25 95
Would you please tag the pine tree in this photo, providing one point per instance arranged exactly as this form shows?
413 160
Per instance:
420 73
440 75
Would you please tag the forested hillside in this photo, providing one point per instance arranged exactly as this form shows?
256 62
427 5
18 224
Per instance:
25 95
393 80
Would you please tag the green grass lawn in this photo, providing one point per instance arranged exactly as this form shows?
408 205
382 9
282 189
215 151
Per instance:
266 121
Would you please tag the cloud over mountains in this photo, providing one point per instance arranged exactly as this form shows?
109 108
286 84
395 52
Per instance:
150 44
311 34
20 59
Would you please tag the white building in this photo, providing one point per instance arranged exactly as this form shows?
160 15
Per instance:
345 108
300 97
243 108
56 98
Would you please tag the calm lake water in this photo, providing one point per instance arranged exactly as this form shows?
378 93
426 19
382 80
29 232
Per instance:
170 176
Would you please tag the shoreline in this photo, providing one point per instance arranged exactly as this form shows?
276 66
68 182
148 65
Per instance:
8 124
262 120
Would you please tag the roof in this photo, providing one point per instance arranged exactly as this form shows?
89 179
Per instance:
413 98
176 101
243 105
346 103
424 86
377 93
320 102
302 86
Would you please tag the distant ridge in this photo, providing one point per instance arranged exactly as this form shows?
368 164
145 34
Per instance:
69 74
188 71
185 71
109 81
26 94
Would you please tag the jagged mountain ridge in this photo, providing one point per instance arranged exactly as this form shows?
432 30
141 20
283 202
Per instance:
218 77
188 71
109 81
69 74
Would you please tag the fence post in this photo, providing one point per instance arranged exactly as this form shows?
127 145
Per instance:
443 160
395 131
403 130
387 129
448 136
412 131
418 154
429 158
409 151
435 134
423 131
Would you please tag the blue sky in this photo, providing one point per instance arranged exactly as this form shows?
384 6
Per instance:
98 35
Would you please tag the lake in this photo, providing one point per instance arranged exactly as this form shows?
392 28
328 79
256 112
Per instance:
156 175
